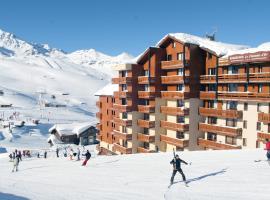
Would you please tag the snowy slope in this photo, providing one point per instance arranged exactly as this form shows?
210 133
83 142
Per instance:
215 175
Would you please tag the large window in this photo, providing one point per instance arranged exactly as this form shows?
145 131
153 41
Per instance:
212 120
180 87
231 105
180 119
232 70
232 87
212 136
180 135
212 87
230 140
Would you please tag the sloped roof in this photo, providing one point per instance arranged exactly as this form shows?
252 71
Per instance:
71 129
108 90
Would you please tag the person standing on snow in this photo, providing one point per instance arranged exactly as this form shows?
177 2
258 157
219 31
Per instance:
45 154
267 148
176 162
71 154
16 163
78 153
20 155
87 157
57 152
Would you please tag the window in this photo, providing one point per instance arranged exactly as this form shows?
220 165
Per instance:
260 69
231 105
259 126
245 124
245 106
212 104
146 88
124 101
146 145
124 129
231 122
146 102
146 72
173 45
244 142
212 71
180 71
169 57
146 116
245 87
180 87
232 70
180 119
107 112
230 140
180 103
124 87
232 87
180 135
258 107
146 131
259 88
212 136
180 56
124 73
124 115
212 87
212 120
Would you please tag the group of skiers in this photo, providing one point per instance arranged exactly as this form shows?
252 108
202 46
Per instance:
15 157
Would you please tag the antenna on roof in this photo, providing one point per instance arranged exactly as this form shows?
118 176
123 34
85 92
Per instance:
212 36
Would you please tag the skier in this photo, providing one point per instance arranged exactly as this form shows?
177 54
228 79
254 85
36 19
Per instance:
78 154
16 163
176 162
20 155
71 154
45 154
87 157
57 152
267 148
10 157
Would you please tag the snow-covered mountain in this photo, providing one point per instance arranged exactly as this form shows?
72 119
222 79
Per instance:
33 73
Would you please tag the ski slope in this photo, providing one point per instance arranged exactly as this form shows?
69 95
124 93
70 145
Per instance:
215 175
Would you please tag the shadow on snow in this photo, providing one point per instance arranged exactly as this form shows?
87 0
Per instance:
6 196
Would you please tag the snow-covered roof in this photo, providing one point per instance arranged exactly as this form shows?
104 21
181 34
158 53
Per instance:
108 90
71 129
218 48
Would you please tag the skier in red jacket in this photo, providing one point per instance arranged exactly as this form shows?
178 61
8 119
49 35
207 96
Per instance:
267 148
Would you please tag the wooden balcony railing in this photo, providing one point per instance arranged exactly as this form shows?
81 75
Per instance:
251 96
208 95
174 141
122 122
98 104
145 138
121 149
220 130
146 109
144 150
173 64
145 123
122 108
208 78
232 78
146 94
174 110
145 80
259 77
174 95
123 136
261 136
264 117
174 126
213 112
99 115
208 144
121 80
176 79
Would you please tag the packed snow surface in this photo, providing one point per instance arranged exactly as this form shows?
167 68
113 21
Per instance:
107 90
218 175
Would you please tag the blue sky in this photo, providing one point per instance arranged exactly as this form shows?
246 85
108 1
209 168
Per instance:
114 26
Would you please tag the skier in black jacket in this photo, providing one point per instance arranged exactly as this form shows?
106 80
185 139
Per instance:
87 157
176 162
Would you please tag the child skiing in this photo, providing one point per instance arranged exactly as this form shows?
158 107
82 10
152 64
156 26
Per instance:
176 162
87 157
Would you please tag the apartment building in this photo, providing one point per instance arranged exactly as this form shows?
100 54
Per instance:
176 95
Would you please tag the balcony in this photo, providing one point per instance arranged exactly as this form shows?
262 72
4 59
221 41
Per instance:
98 104
144 150
145 138
145 80
212 112
174 110
121 80
174 126
146 94
208 95
122 122
121 149
172 79
264 117
208 144
232 78
122 94
174 141
174 95
262 136
122 108
259 77
205 79
146 109
145 123
173 64
123 136
240 96
99 115
221 130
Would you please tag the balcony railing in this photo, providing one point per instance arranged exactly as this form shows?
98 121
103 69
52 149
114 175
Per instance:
264 117
213 112
174 110
145 80
220 130
144 150
145 138
123 136
121 80
122 122
146 123
176 79
215 145
98 104
208 78
251 96
146 109
208 95
232 78
173 64
259 77
174 95
122 94
174 141
99 115
263 136
174 126
122 108
146 94
121 149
